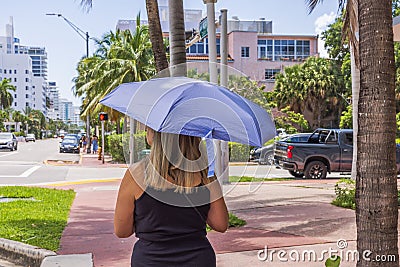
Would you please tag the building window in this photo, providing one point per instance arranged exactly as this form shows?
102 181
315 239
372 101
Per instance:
265 49
27 80
284 49
302 49
15 96
26 87
26 96
26 71
9 71
15 79
245 51
15 104
15 71
270 73
196 49
5 71
26 104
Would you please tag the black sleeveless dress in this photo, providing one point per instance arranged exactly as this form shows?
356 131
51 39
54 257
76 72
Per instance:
171 231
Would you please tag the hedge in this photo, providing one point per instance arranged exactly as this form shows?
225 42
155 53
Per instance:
238 152
118 146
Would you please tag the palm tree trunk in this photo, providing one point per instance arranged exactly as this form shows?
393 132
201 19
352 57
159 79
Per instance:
177 38
156 36
376 191
355 88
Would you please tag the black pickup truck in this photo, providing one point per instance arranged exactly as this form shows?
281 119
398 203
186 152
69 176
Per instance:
326 151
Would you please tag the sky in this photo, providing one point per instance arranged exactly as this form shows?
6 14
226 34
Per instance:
65 47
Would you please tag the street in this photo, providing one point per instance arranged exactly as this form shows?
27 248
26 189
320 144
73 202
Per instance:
32 164
38 162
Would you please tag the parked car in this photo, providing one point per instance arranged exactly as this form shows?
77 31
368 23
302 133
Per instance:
69 144
265 154
326 151
30 137
8 141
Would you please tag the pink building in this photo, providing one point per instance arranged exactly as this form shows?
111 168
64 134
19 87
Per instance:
255 51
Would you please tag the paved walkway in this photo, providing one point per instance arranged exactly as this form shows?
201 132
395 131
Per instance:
280 215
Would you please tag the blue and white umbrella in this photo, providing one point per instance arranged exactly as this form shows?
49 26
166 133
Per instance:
188 106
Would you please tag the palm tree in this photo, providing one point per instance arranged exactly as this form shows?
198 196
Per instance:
376 181
121 57
312 89
6 97
177 38
156 36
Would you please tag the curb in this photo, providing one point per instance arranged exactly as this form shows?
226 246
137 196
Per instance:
23 254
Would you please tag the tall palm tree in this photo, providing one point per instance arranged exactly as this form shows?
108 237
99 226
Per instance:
6 97
155 30
177 38
376 181
156 37
121 57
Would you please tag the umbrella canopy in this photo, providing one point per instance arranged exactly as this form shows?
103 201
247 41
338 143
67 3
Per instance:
192 107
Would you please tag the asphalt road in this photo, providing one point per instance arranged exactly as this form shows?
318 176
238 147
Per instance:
28 165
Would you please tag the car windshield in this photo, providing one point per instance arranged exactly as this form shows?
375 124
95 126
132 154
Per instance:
69 141
5 135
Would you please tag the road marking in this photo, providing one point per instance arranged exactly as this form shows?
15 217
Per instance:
29 171
25 174
9 154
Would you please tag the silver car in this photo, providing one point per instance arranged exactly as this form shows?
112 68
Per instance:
8 141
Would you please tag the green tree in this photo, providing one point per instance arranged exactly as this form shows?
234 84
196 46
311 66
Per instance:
313 89
6 97
121 57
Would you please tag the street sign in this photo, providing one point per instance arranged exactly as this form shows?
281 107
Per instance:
203 29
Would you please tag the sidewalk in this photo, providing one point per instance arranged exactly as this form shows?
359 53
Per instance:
279 215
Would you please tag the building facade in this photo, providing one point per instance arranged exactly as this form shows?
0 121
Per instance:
255 52
17 69
26 68
66 110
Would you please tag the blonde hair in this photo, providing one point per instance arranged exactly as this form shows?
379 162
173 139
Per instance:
180 157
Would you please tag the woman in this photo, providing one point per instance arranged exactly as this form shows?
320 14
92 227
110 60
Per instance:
166 200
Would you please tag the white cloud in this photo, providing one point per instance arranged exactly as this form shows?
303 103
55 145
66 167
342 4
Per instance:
321 24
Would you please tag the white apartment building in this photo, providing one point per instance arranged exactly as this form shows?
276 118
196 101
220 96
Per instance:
39 94
26 68
192 19
53 95
17 69
76 119
66 110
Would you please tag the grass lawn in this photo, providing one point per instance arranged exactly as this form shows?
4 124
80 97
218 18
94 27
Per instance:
37 222
234 179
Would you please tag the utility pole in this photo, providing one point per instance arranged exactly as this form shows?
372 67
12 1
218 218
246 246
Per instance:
84 35
224 82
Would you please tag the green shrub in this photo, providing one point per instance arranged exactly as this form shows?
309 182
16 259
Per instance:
238 152
17 134
118 146
345 190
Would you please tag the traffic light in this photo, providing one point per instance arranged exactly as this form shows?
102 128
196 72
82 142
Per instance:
103 116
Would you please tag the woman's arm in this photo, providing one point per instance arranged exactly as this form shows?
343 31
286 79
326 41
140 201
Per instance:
218 217
123 217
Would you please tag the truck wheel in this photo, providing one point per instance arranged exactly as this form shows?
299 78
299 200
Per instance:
297 174
268 159
316 170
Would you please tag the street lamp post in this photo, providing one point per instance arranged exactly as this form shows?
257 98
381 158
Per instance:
85 36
